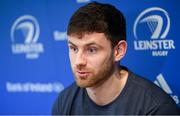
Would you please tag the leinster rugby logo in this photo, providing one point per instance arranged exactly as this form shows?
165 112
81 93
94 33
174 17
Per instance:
24 35
150 30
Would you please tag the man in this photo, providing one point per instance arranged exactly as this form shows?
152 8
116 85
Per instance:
97 42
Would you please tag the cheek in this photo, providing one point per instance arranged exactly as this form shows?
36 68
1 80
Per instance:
99 61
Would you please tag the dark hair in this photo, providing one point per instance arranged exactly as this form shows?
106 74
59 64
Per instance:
101 18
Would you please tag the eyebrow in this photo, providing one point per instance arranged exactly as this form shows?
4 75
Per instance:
71 43
88 44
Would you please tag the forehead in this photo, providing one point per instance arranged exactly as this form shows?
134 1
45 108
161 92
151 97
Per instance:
86 39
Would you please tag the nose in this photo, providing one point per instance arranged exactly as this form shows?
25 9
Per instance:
80 60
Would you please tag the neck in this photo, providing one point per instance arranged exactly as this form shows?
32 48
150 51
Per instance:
110 89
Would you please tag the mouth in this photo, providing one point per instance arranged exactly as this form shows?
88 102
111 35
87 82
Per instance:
82 74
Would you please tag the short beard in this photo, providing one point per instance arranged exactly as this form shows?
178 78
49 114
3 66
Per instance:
104 74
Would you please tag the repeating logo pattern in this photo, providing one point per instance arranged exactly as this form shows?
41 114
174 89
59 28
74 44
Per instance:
150 29
25 33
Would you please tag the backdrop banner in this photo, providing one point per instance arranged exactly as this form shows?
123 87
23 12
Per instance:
34 60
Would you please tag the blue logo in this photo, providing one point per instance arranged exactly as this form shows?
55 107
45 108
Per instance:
25 34
150 29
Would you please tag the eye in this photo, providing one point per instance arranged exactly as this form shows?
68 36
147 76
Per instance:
74 49
92 50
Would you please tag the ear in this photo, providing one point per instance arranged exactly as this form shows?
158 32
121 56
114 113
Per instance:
120 50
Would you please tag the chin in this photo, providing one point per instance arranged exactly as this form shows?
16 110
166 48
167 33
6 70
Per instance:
83 84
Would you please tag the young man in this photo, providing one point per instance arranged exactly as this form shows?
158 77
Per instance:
97 42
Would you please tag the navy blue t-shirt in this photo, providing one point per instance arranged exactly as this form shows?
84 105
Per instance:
138 97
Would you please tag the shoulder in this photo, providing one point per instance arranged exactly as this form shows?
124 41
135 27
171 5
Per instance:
148 87
156 100
70 90
64 100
